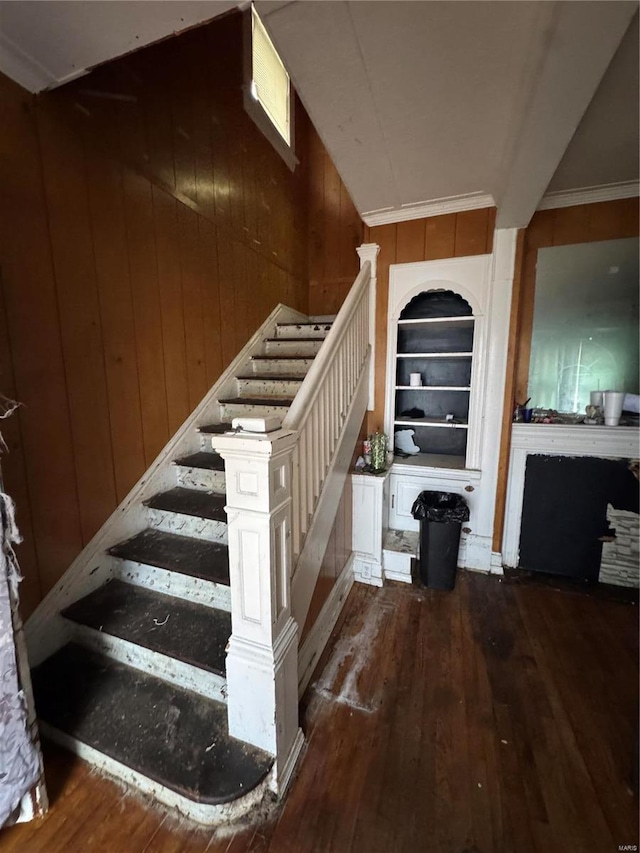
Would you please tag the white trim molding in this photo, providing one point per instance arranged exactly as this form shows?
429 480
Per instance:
424 209
589 195
369 252
556 440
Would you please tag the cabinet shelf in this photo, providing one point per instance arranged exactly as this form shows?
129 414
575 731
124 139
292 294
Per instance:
430 422
433 388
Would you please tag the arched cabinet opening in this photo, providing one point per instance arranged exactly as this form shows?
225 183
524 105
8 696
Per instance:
433 377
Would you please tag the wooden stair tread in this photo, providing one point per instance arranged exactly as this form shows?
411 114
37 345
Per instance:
270 377
295 340
257 401
215 429
202 459
190 502
197 558
179 629
282 357
168 734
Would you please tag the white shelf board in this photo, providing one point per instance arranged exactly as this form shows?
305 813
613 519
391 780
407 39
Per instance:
429 422
432 460
451 322
434 354
433 388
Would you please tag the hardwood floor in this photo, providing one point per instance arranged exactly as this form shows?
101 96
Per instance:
500 718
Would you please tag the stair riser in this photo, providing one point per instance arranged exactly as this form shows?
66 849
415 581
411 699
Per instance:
173 583
208 815
263 387
202 478
291 331
187 525
288 367
299 348
174 671
240 410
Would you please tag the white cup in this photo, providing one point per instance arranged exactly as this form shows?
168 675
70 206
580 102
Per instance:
595 398
415 379
613 401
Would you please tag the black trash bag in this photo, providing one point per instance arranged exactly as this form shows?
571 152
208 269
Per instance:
440 506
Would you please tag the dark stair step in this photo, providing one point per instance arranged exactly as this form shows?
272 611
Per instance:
258 401
168 734
282 357
298 340
271 377
202 459
179 629
215 429
197 558
190 502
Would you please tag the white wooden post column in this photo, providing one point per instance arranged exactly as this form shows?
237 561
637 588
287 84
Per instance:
262 656
369 252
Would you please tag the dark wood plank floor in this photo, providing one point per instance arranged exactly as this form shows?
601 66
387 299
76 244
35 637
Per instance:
499 717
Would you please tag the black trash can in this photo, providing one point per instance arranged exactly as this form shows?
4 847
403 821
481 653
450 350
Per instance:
440 515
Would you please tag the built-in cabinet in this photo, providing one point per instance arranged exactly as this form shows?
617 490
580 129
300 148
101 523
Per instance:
437 327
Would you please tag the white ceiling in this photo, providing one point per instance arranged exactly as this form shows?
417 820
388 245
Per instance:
424 106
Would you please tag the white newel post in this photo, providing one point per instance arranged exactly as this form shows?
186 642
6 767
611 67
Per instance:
369 252
262 655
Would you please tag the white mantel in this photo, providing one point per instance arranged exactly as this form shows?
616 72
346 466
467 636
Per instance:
556 440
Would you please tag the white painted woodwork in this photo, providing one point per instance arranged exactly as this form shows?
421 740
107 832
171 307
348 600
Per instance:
369 524
321 629
188 588
485 281
320 410
93 566
369 252
262 657
556 440
399 549
469 277
310 560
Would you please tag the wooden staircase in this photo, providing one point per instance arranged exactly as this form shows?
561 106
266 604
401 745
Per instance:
137 684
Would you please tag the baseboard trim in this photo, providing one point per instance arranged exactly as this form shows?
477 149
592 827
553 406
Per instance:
320 632
403 577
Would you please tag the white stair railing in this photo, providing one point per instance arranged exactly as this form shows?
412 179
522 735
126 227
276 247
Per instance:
323 402
283 490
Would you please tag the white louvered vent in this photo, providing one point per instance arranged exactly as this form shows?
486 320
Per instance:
270 81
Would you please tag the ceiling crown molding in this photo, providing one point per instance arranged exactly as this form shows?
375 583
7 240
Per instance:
589 195
424 209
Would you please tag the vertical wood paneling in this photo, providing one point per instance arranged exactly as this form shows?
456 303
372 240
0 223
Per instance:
143 270
14 476
192 305
165 218
210 300
79 319
118 326
440 237
471 232
34 334
410 241
168 231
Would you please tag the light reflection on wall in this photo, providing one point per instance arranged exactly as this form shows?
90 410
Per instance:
585 326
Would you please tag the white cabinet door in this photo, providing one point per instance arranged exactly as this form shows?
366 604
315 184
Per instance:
405 489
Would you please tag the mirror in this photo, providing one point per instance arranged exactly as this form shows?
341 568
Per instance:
585 323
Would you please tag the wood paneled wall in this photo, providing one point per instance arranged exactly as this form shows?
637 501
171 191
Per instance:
450 236
335 231
584 223
146 229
